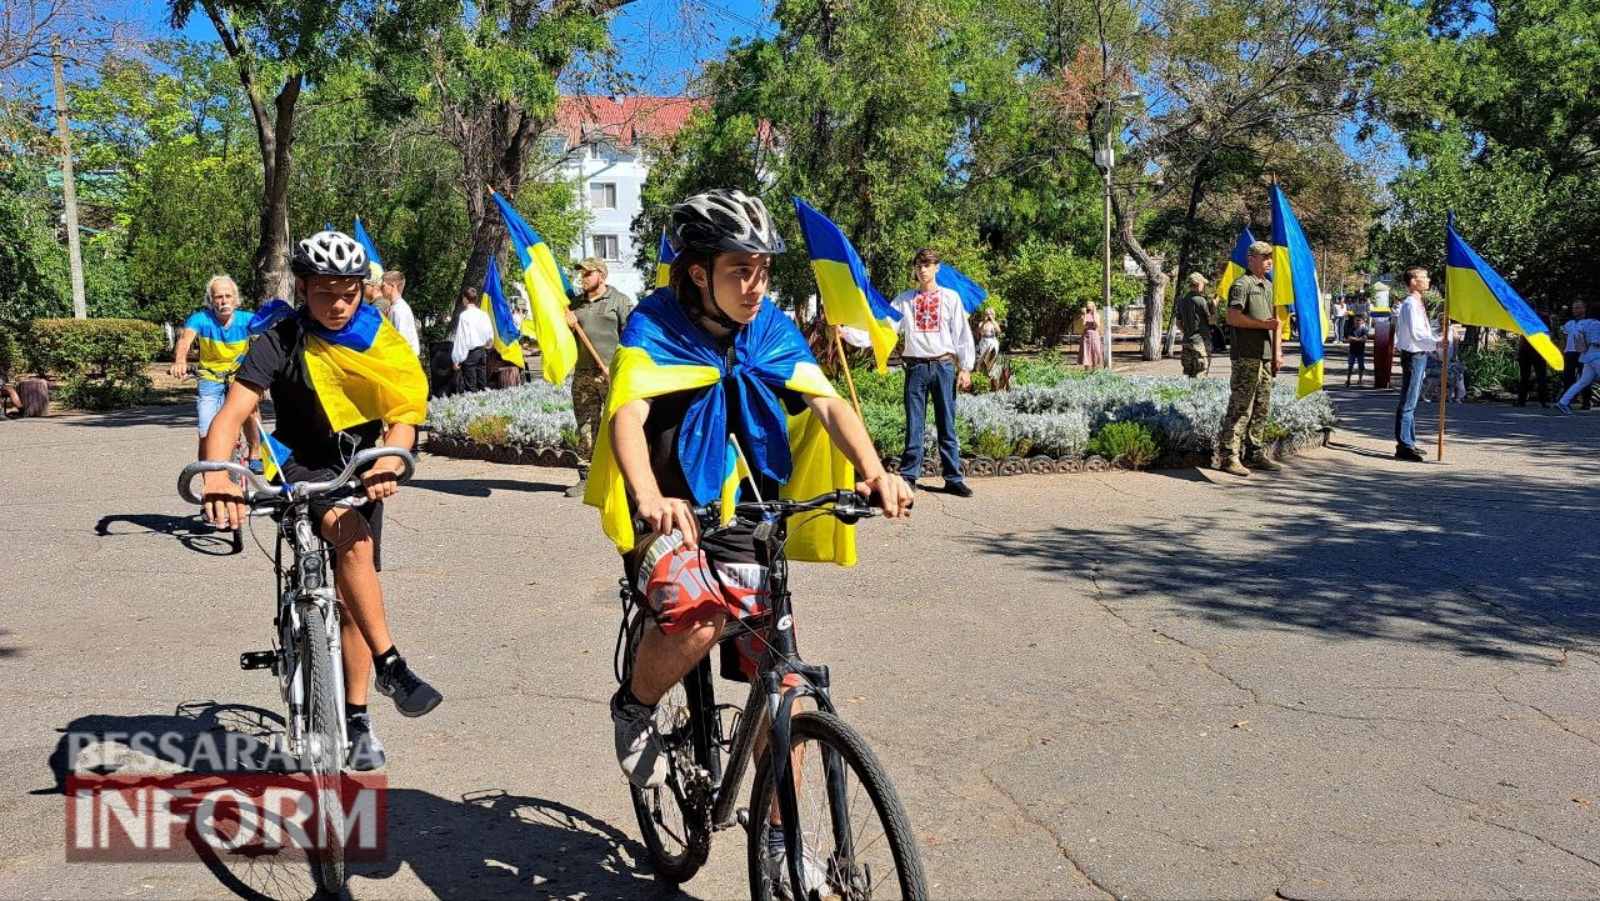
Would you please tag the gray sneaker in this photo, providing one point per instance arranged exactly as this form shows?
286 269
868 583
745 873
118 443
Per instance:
639 750
366 752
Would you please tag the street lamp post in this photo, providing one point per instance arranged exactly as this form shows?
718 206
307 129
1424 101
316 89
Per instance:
1106 158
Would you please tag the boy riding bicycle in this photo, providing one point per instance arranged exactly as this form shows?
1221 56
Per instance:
342 380
703 385
222 330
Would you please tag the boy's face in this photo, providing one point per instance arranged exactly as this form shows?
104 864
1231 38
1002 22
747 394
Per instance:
927 273
332 301
741 281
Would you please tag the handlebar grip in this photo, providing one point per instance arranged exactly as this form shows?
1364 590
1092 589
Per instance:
199 467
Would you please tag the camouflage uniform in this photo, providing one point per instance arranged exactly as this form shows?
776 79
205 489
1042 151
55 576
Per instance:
588 404
1250 387
1194 318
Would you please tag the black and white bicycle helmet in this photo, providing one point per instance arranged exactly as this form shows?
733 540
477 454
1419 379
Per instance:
723 221
330 253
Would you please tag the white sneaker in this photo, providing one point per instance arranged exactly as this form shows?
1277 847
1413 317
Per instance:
639 750
813 877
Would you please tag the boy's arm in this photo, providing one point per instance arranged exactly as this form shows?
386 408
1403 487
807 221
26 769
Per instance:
180 354
850 435
382 479
222 500
664 514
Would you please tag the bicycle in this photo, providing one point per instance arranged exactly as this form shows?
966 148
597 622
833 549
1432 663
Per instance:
306 655
677 819
240 455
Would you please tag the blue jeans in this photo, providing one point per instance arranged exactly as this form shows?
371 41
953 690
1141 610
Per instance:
939 379
208 400
1413 366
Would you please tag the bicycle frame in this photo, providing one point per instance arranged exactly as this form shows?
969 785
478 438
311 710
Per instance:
304 581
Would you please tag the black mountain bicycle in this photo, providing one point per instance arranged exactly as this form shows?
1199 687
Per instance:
845 834
306 656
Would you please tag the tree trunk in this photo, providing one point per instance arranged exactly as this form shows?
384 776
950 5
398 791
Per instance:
1155 286
1186 247
495 144
271 264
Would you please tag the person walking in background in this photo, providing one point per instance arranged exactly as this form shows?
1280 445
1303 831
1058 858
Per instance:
1414 340
469 350
938 354
1356 363
1586 331
1530 366
1573 354
1091 355
1194 318
1257 357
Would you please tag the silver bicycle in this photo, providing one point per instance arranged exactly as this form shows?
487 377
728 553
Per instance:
306 655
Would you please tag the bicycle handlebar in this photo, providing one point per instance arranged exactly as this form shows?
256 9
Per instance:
258 488
848 506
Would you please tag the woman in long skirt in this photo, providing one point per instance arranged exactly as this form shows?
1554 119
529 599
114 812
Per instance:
1090 353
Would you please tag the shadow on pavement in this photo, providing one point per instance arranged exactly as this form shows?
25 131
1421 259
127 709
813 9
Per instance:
190 531
485 843
155 414
481 487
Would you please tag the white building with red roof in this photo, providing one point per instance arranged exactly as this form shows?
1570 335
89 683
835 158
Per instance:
606 144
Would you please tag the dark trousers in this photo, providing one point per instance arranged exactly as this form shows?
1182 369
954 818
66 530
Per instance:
473 375
938 378
1570 373
1356 363
1413 367
1531 366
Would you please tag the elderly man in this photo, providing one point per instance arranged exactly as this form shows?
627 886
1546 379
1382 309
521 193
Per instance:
1257 356
223 332
601 311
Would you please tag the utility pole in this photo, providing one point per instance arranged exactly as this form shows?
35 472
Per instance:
69 190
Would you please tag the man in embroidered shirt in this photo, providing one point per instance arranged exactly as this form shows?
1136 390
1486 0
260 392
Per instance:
1414 339
938 353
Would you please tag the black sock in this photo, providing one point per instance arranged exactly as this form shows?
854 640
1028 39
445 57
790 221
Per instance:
775 838
386 659
351 710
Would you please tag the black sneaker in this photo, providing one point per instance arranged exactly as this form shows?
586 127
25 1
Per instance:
411 695
366 752
959 489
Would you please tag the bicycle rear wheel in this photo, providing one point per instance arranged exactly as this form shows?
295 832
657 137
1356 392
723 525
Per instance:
856 838
675 818
323 754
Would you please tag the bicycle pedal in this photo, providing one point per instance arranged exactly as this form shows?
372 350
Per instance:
257 659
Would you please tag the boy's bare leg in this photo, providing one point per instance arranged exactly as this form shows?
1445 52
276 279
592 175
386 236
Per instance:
355 576
664 659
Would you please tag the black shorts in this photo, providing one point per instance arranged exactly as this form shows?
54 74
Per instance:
372 512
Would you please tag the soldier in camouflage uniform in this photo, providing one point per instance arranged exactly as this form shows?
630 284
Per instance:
602 311
1257 356
1194 318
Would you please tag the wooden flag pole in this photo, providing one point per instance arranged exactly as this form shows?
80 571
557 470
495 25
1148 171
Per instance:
1444 373
838 345
604 370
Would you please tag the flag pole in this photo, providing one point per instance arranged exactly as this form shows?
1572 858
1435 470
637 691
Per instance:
844 363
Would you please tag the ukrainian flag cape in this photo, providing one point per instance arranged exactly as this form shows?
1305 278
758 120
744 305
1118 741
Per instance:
663 352
1479 296
364 371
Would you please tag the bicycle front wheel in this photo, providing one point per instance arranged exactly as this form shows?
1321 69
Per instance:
856 840
323 753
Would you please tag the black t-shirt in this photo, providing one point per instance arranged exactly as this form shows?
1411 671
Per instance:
276 363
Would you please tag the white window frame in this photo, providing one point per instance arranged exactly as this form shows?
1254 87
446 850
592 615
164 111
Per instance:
605 187
608 247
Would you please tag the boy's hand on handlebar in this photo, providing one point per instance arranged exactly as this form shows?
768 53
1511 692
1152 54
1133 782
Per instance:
222 501
666 514
894 495
383 479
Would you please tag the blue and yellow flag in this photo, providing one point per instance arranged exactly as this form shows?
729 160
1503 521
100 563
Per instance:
507 336
364 371
971 293
664 258
548 290
1479 296
1238 264
663 352
365 241
274 456
1294 283
848 298
222 347
271 313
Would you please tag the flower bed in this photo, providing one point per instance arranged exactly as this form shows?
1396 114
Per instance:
1056 422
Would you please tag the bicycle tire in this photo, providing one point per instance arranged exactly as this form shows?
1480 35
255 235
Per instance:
323 756
675 867
834 735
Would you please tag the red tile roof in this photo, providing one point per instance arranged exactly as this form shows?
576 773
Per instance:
624 121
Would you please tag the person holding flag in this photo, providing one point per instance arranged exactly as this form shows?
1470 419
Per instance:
1257 355
939 354
714 392
600 311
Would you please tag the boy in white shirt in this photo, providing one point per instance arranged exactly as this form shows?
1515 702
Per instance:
938 353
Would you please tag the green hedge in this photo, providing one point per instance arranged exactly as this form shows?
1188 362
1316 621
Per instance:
100 362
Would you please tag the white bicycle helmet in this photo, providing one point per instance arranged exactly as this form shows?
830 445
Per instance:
723 221
330 253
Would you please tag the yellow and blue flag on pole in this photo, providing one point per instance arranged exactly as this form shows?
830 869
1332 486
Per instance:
664 258
848 298
274 455
364 371
749 397
971 293
1479 296
507 336
365 241
1294 283
548 290
1237 263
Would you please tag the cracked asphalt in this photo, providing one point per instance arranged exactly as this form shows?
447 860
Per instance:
1356 679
